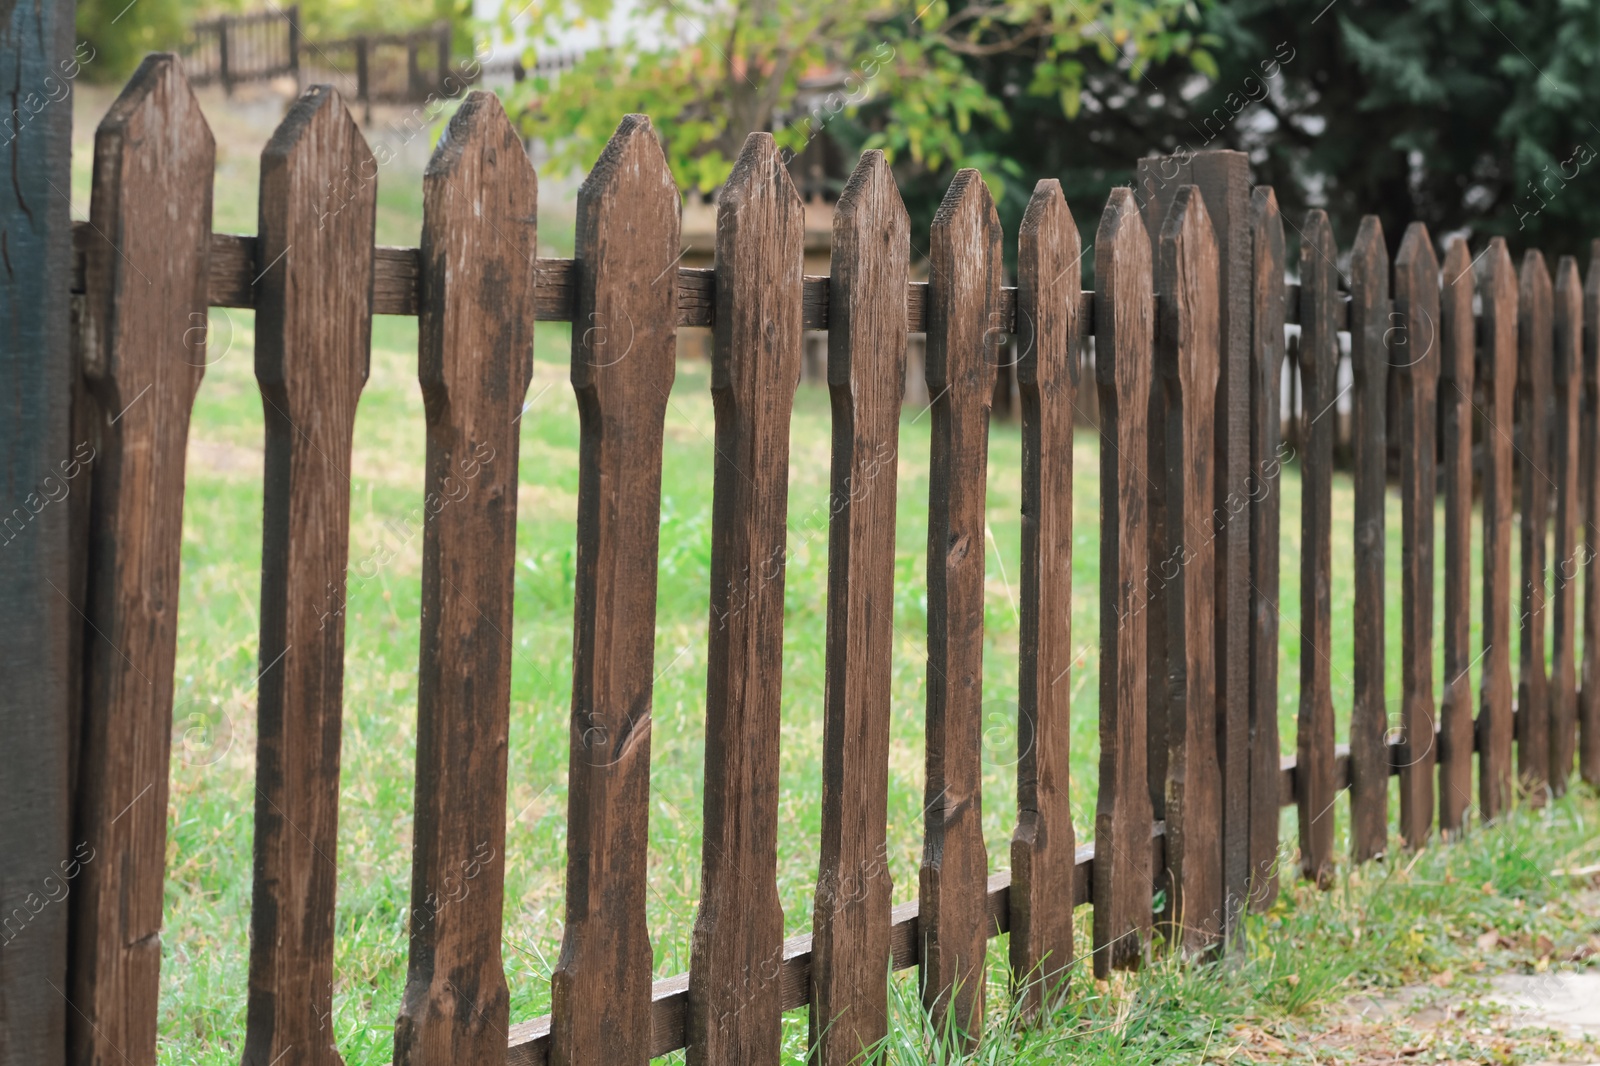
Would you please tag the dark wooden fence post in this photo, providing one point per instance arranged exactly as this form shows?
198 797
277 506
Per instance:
1049 329
964 341
866 376
313 340
1534 352
1416 305
1223 178
1267 294
737 953
623 364
1567 395
1124 330
146 321
474 362
1369 364
1182 447
1457 338
37 563
1319 350
1499 374
1589 702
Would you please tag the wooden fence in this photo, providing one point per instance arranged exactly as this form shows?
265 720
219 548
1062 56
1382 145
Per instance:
1188 315
369 68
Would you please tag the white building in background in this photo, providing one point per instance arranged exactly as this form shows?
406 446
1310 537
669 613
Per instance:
572 38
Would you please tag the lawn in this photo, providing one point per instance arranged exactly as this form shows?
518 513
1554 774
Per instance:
209 846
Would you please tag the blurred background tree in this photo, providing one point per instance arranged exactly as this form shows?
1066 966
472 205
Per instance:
913 78
1468 115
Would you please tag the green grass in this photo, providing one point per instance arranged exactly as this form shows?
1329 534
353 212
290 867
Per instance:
1158 1014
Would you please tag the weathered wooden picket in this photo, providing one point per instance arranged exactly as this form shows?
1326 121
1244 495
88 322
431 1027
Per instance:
1188 318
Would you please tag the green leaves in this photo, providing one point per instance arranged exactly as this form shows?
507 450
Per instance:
906 77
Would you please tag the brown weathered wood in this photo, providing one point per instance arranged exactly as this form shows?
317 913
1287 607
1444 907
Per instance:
1567 396
623 365
1265 493
1498 370
1049 278
866 376
475 359
1456 339
1183 461
313 331
1223 178
1319 352
738 933
1534 354
144 353
1416 363
1589 694
964 267
1123 365
1370 323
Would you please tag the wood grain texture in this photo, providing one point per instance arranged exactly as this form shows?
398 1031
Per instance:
964 344
1319 351
624 359
1456 342
1182 459
1223 178
1534 372
475 359
1123 364
1416 363
1049 277
866 376
738 931
1498 371
42 454
1370 311
1566 564
1266 502
144 353
313 333
1589 694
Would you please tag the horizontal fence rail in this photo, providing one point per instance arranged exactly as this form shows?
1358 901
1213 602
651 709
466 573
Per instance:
1188 319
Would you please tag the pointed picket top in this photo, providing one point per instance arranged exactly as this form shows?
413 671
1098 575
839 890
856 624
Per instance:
1458 283
1500 285
1122 261
1416 277
966 227
318 157
759 182
1187 253
870 199
154 130
1048 239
